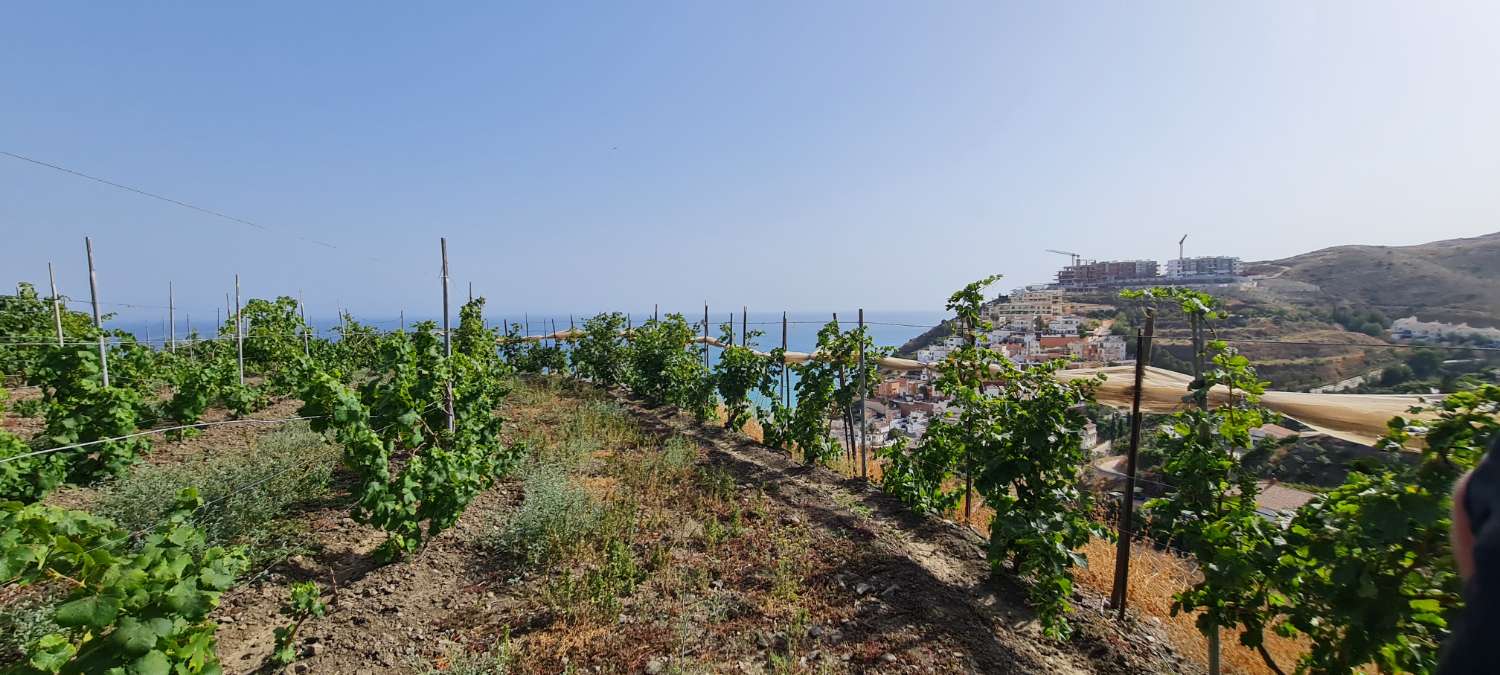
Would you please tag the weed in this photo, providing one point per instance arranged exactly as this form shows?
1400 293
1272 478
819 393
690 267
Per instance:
616 579
554 521
677 456
500 660
716 482
246 496
713 533
852 504
22 623
786 571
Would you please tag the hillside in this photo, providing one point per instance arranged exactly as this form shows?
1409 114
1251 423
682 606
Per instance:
1455 280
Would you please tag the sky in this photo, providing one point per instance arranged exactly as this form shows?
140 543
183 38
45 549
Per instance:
802 156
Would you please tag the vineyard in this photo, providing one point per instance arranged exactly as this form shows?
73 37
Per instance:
432 422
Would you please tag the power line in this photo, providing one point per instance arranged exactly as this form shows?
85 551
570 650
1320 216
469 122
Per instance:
169 200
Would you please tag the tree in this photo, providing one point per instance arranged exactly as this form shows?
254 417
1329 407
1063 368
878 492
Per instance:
1424 363
1395 374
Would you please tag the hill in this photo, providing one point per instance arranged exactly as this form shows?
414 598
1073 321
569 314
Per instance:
1455 280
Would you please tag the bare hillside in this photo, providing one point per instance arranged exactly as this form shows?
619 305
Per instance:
1455 280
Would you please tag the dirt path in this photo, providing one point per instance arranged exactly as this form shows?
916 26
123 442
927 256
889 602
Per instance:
936 567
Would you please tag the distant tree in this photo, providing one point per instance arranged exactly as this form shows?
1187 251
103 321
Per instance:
1424 363
1395 374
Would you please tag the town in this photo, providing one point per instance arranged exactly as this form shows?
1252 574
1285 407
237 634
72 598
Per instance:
1038 324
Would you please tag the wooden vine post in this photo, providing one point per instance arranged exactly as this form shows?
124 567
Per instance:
1126 525
864 438
171 320
306 340
447 334
56 308
88 247
786 376
968 452
239 331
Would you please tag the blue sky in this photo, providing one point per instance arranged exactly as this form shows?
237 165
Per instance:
782 155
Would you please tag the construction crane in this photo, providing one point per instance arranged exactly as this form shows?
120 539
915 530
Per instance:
1075 257
1179 246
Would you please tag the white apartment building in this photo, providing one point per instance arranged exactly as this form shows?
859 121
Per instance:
1066 325
1205 266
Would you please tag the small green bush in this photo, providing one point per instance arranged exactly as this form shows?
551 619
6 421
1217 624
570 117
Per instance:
244 495
555 518
22 623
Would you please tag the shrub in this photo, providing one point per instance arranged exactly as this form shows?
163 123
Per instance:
555 518
288 466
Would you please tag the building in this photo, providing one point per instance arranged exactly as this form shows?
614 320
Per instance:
1104 348
1106 273
1205 268
1025 305
1066 325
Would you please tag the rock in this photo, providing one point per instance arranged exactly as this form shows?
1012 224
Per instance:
227 619
889 590
763 640
313 649
790 519
815 631
888 657
655 666
300 668
863 589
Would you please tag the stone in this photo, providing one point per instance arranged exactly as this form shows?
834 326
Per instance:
655 666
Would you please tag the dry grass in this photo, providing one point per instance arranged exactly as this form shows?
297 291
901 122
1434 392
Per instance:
1155 576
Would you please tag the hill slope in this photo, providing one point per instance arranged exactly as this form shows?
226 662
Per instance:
1455 280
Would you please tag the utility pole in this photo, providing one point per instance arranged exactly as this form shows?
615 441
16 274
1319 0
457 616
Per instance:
88 247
